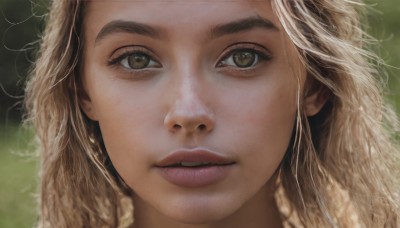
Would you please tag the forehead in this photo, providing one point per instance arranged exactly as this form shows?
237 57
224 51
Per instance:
171 7
175 15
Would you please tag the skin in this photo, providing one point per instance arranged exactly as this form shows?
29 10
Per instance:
245 114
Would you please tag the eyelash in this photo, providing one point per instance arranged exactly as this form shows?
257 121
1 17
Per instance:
128 51
260 52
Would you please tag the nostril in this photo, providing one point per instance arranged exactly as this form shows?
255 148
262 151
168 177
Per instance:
202 127
177 126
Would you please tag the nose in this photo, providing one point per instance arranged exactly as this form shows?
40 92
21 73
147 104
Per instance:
189 112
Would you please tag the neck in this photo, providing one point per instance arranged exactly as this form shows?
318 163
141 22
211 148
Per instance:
259 211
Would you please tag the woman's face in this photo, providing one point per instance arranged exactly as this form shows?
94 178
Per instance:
196 101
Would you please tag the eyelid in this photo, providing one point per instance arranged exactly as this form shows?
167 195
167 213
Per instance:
263 52
123 52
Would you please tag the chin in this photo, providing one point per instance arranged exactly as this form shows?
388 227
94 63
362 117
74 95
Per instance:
196 217
200 212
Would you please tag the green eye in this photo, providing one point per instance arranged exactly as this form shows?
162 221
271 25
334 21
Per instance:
244 59
137 61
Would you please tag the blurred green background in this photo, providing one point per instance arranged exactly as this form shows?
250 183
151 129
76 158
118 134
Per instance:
21 22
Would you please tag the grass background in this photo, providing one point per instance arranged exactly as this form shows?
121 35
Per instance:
18 177
18 168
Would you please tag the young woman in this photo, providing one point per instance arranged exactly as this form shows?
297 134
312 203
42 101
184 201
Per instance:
211 114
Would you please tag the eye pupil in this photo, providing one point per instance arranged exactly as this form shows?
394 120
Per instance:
138 61
244 59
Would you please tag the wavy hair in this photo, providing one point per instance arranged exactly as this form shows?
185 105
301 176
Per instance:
342 168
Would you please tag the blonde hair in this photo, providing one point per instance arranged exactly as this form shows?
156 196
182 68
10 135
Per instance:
346 152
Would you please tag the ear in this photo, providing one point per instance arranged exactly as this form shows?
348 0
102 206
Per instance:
86 105
315 98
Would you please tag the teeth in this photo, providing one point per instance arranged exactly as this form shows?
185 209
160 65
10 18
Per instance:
191 164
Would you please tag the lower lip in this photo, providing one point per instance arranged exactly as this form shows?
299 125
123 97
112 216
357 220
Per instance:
195 177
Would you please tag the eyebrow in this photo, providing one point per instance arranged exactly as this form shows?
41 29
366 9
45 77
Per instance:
245 24
242 25
121 26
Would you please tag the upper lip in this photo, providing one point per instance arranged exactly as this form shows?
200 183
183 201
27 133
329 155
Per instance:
193 155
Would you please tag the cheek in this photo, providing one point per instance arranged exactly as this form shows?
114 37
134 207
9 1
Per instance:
125 121
259 125
265 110
273 129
